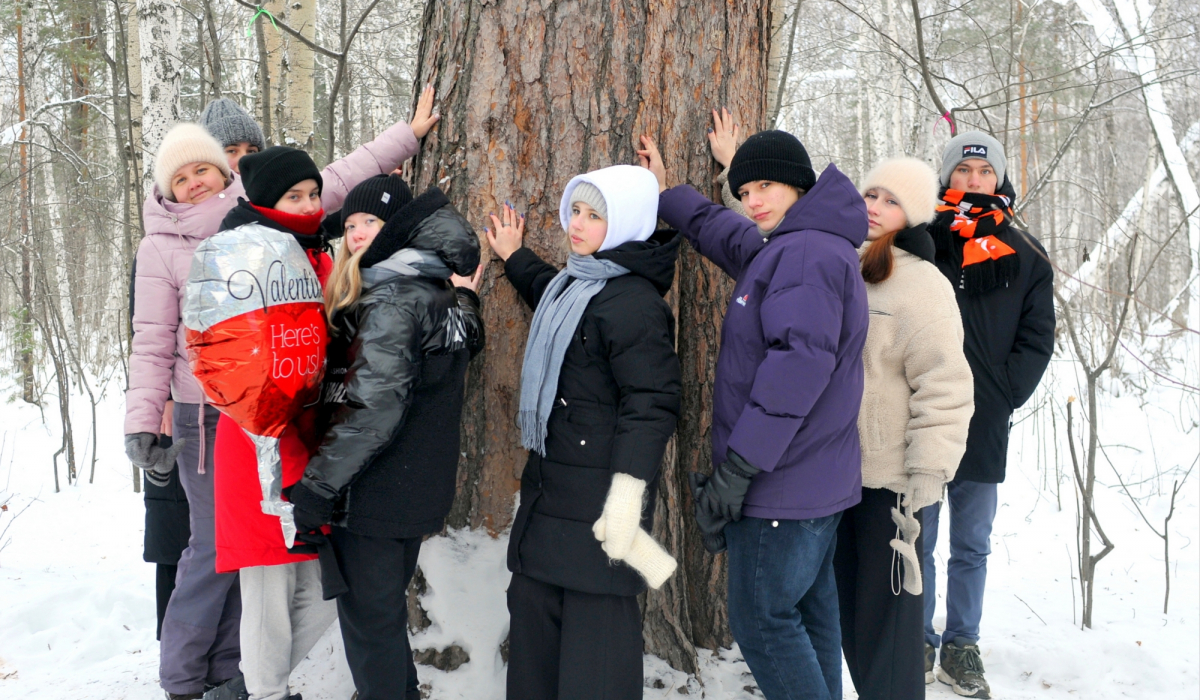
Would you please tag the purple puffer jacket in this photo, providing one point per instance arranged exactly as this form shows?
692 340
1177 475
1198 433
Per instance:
790 375
158 367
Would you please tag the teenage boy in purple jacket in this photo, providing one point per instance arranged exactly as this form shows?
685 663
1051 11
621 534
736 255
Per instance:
788 386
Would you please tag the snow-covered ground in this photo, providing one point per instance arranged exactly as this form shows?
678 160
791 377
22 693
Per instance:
77 602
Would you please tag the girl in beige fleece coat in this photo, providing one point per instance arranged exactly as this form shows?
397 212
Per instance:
917 405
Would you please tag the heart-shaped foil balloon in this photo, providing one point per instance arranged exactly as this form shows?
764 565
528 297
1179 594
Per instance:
255 323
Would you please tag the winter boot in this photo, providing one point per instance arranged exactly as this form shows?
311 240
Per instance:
962 669
232 689
185 696
930 658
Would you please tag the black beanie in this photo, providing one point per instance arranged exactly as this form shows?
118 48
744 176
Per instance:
772 155
268 175
380 196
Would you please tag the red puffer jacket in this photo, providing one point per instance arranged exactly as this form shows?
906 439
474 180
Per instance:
245 535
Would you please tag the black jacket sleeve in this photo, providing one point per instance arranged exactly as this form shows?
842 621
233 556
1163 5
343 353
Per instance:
469 305
640 345
1034 343
529 274
379 390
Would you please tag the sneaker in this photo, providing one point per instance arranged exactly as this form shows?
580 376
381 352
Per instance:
232 689
930 658
962 669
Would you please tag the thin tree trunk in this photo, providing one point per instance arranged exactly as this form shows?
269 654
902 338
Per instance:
215 59
530 98
264 80
26 335
158 26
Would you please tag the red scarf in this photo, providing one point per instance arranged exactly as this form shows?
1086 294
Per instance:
306 224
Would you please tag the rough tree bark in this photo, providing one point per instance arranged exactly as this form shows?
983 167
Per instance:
532 93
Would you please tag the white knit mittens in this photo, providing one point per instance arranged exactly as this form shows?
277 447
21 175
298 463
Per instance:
923 490
622 537
906 545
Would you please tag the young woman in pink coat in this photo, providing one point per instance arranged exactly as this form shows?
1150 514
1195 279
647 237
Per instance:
194 190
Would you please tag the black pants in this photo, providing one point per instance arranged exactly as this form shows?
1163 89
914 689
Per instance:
164 583
883 634
567 645
374 612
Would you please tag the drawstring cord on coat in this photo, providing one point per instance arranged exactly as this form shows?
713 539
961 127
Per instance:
897 586
202 436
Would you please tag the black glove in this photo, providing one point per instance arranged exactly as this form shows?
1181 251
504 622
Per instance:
145 453
724 493
309 510
712 530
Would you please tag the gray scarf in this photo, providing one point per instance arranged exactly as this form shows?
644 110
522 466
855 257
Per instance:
554 323
407 262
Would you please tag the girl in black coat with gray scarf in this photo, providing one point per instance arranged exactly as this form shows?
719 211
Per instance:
599 401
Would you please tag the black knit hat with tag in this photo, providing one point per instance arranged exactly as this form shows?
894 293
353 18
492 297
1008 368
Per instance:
268 175
772 155
380 196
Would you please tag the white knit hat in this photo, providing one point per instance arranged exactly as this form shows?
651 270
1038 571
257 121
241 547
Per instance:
911 181
186 143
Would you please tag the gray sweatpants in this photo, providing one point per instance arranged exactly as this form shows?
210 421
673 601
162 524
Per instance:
283 616
200 627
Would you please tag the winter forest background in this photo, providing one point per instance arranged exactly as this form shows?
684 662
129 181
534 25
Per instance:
1094 587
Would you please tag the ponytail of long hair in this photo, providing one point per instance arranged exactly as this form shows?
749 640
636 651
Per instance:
878 259
345 282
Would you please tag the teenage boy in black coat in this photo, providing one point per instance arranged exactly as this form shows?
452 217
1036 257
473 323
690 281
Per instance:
1004 285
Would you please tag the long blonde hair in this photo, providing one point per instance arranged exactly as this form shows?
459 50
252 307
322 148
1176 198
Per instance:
345 282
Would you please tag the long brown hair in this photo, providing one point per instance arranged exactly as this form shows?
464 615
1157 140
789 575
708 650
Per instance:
878 259
345 282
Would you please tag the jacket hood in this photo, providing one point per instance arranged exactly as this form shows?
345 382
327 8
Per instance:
245 213
833 205
653 259
631 196
431 224
200 221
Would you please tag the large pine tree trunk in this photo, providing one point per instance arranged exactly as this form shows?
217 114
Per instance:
530 97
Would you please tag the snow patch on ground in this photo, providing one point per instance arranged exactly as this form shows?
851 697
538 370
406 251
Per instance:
77 613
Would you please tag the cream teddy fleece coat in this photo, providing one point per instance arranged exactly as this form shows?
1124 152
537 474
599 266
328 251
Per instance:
919 394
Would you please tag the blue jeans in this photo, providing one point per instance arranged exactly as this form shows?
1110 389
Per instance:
972 510
783 605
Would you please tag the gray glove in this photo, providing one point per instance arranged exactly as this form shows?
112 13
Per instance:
145 453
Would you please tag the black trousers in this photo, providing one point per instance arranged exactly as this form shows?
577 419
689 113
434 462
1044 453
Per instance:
567 645
374 612
883 633
164 584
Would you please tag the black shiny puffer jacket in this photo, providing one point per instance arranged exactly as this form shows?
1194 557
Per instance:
389 459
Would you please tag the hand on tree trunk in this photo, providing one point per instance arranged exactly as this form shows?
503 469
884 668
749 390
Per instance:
652 160
426 116
508 232
723 137
471 283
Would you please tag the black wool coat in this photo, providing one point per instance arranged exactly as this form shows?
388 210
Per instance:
1008 341
168 524
389 460
616 408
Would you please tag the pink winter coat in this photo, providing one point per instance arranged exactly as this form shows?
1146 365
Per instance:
158 367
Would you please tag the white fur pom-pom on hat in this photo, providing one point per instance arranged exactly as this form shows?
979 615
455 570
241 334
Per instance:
186 143
912 182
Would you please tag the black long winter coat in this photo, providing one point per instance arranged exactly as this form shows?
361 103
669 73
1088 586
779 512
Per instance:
390 457
1008 341
617 405
168 524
